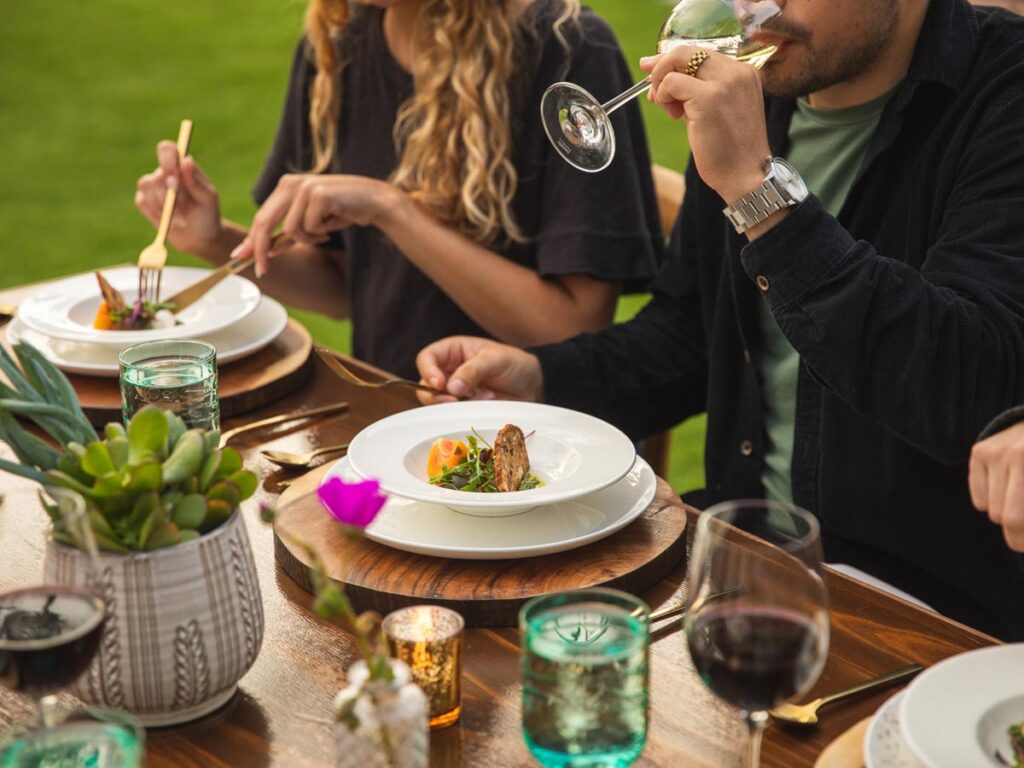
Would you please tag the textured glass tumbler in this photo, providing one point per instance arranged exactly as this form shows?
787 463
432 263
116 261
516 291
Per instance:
177 376
584 667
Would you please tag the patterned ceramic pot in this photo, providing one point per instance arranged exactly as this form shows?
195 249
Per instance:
388 728
184 624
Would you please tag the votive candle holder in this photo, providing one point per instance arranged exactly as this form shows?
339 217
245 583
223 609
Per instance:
429 639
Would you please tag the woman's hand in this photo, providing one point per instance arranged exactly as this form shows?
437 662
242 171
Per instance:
196 223
996 479
311 206
479 369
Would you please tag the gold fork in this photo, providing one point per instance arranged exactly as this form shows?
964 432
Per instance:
335 365
154 255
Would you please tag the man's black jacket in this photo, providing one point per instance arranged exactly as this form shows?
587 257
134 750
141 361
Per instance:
907 312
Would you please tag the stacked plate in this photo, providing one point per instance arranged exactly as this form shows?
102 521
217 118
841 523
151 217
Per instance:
234 317
593 482
956 714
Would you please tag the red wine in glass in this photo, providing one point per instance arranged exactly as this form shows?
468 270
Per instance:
754 658
48 637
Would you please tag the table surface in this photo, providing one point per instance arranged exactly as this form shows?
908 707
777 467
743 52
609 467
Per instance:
281 715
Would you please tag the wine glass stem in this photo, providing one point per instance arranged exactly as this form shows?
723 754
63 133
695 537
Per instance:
756 721
628 95
47 708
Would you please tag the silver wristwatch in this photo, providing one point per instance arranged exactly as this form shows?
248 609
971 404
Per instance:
782 188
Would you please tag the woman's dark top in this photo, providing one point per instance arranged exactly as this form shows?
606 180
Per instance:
605 224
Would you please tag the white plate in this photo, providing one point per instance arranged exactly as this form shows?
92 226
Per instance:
572 453
956 713
65 309
430 529
233 343
884 745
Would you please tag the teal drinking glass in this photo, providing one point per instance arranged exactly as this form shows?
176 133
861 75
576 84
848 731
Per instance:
87 739
584 670
178 376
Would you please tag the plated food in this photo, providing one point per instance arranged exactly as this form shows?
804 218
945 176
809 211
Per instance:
68 309
571 453
115 313
476 466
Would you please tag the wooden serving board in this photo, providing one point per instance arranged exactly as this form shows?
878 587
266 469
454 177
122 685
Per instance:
488 593
278 369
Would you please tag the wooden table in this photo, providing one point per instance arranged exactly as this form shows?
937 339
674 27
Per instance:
281 715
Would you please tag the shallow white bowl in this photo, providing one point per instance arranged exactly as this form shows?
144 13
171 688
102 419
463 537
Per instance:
243 338
572 453
65 309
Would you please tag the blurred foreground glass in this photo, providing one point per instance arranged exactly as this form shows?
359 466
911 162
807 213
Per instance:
429 639
584 668
579 126
48 637
766 644
88 739
178 376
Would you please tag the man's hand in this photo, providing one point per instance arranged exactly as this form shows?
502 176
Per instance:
996 479
724 111
480 369
311 206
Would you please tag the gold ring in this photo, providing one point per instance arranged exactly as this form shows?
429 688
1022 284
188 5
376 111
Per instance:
695 61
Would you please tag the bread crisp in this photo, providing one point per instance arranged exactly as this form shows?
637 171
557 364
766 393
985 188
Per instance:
510 460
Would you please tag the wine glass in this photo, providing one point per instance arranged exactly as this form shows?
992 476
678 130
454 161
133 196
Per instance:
49 635
767 643
579 126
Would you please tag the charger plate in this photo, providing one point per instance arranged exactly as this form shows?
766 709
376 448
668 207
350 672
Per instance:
487 592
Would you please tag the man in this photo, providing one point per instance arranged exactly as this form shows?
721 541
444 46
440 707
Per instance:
996 475
850 344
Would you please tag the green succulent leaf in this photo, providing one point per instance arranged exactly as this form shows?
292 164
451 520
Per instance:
109 545
147 435
100 525
164 535
146 477
190 511
175 428
210 466
62 480
113 483
212 439
141 510
156 518
186 459
230 462
27 447
245 481
188 535
118 448
226 492
97 461
114 430
217 512
25 471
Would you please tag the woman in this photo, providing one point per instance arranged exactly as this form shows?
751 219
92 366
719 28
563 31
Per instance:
417 123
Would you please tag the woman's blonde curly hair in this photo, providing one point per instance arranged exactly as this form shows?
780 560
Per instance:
453 134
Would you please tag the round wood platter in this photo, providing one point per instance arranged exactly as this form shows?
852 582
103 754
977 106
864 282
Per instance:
488 593
244 385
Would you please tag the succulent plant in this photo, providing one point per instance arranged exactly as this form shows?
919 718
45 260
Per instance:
150 485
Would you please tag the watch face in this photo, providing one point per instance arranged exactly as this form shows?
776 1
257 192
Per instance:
788 179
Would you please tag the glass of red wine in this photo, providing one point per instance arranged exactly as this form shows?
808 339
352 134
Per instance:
49 633
766 643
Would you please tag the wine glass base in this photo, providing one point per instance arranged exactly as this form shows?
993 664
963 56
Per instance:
578 127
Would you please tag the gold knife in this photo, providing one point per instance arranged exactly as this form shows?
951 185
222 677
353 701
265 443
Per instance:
192 294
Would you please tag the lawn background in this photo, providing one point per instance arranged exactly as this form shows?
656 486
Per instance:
87 88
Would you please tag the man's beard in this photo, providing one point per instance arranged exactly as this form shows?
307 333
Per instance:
820 68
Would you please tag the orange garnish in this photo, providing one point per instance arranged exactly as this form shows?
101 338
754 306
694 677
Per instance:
445 454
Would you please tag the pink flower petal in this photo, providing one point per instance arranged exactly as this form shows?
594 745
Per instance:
354 504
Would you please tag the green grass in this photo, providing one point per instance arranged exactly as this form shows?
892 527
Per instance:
88 88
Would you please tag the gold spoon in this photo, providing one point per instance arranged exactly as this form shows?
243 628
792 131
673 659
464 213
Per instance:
300 460
807 714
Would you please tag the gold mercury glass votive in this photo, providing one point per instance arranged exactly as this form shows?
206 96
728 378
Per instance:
429 639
